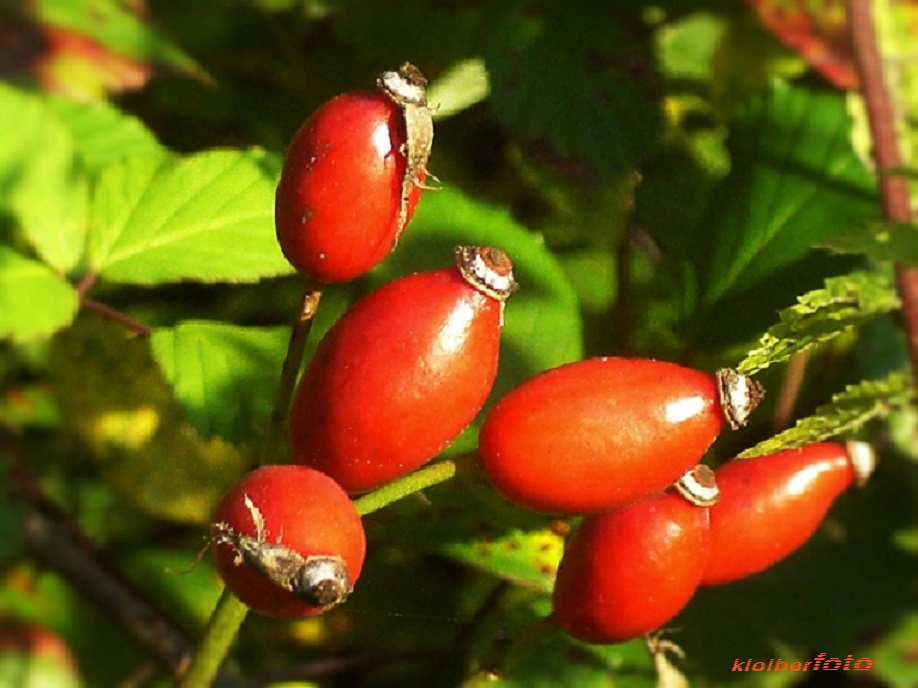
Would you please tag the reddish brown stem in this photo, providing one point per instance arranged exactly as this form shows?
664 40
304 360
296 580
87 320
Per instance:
299 337
117 316
790 391
894 191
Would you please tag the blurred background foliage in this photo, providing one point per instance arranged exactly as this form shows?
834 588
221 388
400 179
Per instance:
666 177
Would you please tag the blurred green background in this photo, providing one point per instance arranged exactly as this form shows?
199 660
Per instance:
663 175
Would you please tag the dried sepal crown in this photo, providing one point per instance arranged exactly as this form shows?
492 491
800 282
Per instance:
739 396
488 269
405 86
699 486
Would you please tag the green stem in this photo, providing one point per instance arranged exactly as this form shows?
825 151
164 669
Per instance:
299 336
408 485
229 614
219 634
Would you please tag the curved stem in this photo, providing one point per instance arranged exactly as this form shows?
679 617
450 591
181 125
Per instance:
219 634
790 391
408 485
229 613
299 336
117 316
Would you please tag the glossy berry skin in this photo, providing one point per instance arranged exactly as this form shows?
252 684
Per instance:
597 434
337 203
303 511
629 571
771 505
396 379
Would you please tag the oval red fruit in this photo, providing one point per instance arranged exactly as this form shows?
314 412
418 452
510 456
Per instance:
628 572
402 373
597 434
338 204
288 541
771 505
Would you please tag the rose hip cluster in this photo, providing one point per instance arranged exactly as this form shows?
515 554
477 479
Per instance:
618 440
408 367
394 381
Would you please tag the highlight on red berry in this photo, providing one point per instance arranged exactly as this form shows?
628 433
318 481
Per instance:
771 505
628 572
288 541
352 178
403 372
596 434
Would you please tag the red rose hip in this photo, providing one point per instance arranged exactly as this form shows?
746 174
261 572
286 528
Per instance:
597 434
771 505
288 541
352 179
402 373
628 572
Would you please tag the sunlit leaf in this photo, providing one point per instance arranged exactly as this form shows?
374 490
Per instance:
821 315
687 45
524 557
103 134
463 85
42 182
207 218
34 300
848 411
223 375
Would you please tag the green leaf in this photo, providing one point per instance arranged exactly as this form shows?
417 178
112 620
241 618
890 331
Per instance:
104 134
542 325
525 557
848 411
878 241
224 376
116 405
461 86
34 300
207 218
893 659
578 95
794 181
42 182
821 315
120 28
378 32
544 656
688 45
467 521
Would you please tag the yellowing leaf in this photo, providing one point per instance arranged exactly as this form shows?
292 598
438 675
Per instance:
115 402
